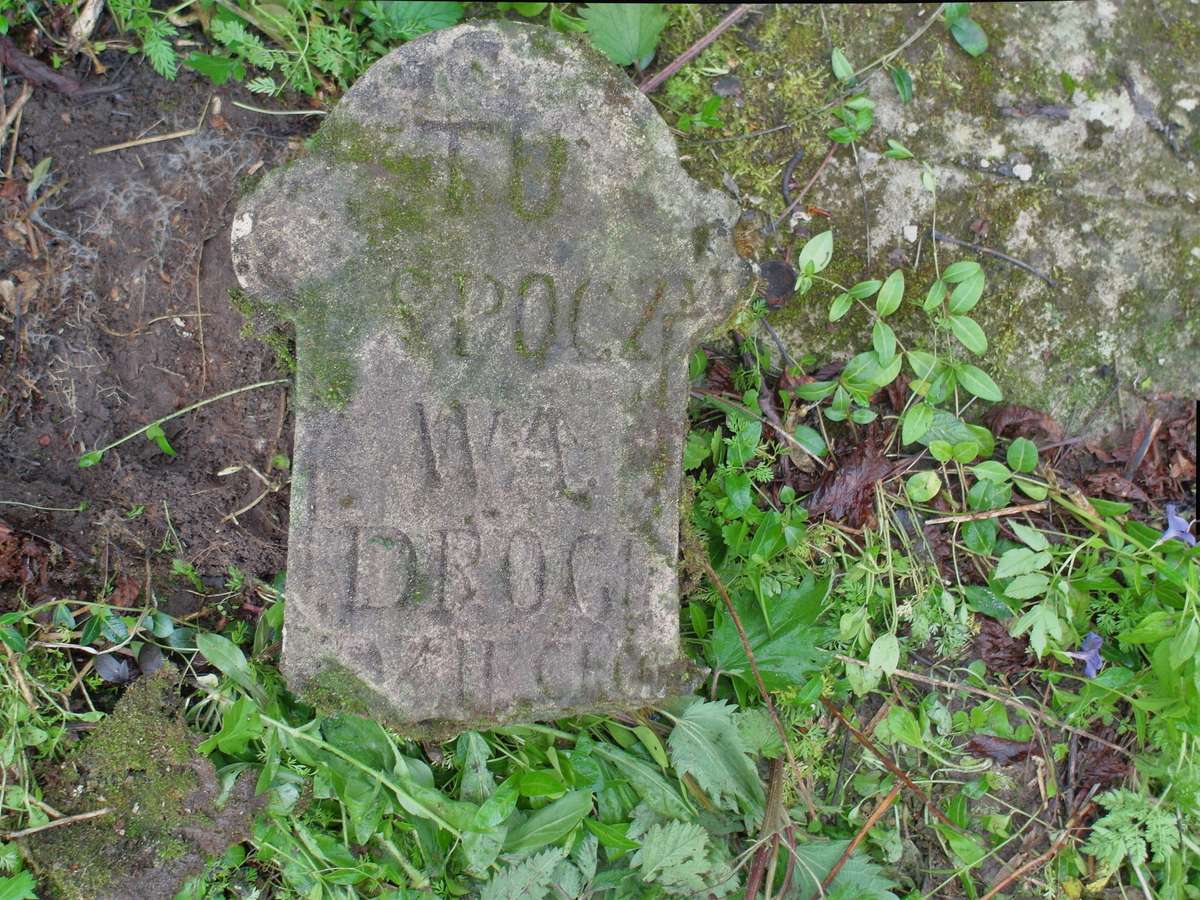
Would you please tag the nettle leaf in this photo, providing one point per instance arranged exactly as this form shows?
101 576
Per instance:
675 856
706 744
859 878
404 21
627 33
1021 561
531 878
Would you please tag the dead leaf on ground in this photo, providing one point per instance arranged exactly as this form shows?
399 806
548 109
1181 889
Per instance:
1112 484
1000 750
125 592
999 650
847 493
1014 420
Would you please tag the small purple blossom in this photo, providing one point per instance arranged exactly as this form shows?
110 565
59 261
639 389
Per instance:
1089 653
1177 527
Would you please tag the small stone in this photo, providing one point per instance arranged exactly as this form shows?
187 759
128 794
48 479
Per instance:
495 298
910 233
1024 171
728 86
1187 103
985 164
1196 252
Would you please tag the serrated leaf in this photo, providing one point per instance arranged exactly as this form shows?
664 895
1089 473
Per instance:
1021 561
978 382
675 856
705 743
969 334
1025 587
627 33
530 879
859 878
405 21
890 294
1031 537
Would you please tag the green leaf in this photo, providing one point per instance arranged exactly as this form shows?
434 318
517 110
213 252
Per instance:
530 878
935 296
13 639
1022 455
560 21
1025 587
90 459
1021 561
228 657
903 82
865 289
917 420
550 823
611 836
705 743
991 471
810 439
885 653
967 294
842 70
840 306
159 437
904 727
978 382
697 450
955 11
21 886
897 150
923 486
627 33
815 391
675 856
787 652
529 10
963 270
1031 489
217 69
842 135
969 35
646 781
1031 537
969 334
859 878
883 339
890 294
541 783
407 20
818 250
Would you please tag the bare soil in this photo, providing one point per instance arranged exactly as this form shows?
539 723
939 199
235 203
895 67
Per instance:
117 312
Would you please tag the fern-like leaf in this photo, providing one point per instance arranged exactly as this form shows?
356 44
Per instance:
530 879
674 856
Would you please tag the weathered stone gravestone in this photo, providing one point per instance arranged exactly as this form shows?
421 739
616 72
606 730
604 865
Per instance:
496 269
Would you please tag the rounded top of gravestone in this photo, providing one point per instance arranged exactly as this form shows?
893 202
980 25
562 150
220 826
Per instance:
498 142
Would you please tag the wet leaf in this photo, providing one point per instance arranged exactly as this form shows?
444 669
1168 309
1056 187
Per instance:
999 650
150 658
113 668
1001 750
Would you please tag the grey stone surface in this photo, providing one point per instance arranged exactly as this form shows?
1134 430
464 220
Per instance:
496 268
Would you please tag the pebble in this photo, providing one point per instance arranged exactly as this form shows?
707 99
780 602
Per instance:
1024 171
910 233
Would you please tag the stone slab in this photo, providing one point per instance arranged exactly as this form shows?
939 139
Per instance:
496 269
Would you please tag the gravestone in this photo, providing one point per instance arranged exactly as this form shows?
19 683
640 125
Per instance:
496 269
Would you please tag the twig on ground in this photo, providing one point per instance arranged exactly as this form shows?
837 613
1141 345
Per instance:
200 318
804 190
35 71
156 138
979 248
1010 702
887 761
13 111
280 112
912 39
656 81
58 823
1140 453
1057 846
703 560
776 426
989 513
880 808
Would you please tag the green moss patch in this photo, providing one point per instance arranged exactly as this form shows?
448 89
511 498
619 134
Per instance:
140 763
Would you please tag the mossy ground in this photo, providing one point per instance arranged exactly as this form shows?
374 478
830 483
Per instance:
140 763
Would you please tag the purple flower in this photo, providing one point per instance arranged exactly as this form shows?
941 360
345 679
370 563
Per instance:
1089 652
1177 527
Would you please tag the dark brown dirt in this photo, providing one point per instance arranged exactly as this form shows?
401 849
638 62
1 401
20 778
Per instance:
102 332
